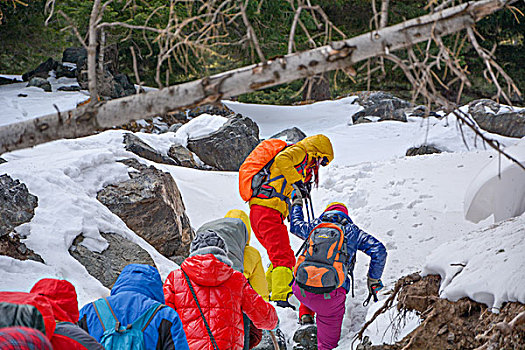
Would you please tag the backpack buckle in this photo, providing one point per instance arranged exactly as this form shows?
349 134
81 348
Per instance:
117 326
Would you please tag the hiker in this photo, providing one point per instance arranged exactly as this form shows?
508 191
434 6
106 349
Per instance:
134 314
210 297
293 167
63 299
235 230
23 338
309 274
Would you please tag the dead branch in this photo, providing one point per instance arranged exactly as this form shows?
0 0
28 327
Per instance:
251 33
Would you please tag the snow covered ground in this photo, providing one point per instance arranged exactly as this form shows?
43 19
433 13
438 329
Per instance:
412 204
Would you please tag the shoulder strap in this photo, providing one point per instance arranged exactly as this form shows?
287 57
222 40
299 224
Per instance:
105 314
144 320
215 347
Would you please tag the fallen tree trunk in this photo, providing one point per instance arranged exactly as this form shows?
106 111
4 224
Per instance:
339 55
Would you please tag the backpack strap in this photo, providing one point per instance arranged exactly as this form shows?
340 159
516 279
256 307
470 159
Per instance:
210 334
145 319
106 315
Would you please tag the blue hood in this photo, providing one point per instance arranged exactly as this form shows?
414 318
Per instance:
142 279
335 213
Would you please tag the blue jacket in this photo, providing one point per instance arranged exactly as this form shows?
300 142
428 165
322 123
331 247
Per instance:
355 239
138 288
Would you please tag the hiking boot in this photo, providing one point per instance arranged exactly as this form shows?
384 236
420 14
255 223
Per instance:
306 319
284 304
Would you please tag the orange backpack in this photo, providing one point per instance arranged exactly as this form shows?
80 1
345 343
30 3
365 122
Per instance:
259 158
322 266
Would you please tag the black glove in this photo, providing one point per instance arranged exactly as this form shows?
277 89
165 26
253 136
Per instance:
374 285
296 198
300 189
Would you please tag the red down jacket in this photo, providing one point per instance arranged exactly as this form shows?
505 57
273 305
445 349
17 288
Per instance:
223 294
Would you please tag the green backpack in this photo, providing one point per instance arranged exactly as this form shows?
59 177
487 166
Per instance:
115 335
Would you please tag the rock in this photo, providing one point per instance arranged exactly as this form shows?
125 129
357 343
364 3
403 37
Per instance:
366 344
124 81
291 135
363 120
11 246
486 114
69 88
17 205
2 160
108 86
5 81
73 54
107 265
318 88
425 149
209 109
226 148
40 83
182 156
382 105
267 343
142 149
21 95
174 127
151 205
42 71
305 338
65 71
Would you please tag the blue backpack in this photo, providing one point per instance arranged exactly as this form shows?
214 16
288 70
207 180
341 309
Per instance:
115 335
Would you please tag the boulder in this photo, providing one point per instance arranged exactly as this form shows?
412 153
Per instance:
267 343
5 81
42 71
17 205
69 88
11 246
488 116
291 135
383 105
73 54
226 148
127 87
425 149
151 205
209 109
182 156
305 338
174 127
108 85
142 149
65 71
107 265
40 83
2 160
363 120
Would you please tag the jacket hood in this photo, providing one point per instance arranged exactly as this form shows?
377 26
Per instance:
207 270
240 214
335 216
318 146
142 279
62 296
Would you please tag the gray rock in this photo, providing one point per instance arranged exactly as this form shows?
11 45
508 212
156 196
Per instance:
363 120
69 88
372 98
40 83
17 205
291 135
5 81
174 127
124 81
65 71
209 109
382 105
42 71
510 124
73 54
107 265
182 156
151 205
267 343
305 338
226 148
2 160
108 86
425 149
142 149
11 246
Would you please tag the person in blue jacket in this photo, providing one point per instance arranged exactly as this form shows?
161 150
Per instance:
137 290
330 311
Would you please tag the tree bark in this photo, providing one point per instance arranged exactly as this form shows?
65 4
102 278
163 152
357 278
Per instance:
339 55
92 52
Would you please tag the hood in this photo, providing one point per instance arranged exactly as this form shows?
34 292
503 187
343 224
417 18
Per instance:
240 214
206 270
318 146
335 216
142 279
62 296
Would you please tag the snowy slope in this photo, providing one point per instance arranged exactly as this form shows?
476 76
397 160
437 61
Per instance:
412 204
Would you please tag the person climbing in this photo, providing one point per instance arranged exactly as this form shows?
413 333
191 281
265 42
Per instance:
235 230
135 314
23 338
293 167
330 305
210 297
63 299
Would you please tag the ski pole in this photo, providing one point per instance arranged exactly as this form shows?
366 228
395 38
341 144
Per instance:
311 206
307 212
274 340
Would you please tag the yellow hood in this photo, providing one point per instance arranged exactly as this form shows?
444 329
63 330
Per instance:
239 214
318 146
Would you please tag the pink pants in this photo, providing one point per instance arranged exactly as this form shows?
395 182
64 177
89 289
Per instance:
330 313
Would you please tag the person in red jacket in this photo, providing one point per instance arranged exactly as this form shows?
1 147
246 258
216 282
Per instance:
222 293
23 338
62 297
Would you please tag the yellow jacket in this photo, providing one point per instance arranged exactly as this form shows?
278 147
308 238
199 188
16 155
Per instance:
287 163
253 268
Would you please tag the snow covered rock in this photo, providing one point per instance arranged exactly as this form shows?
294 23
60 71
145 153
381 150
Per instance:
498 119
305 338
151 205
142 149
107 265
227 147
382 105
182 156
42 71
17 205
40 83
267 342
291 135
425 149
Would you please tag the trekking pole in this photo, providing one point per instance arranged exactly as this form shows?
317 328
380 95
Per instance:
274 340
307 212
311 206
